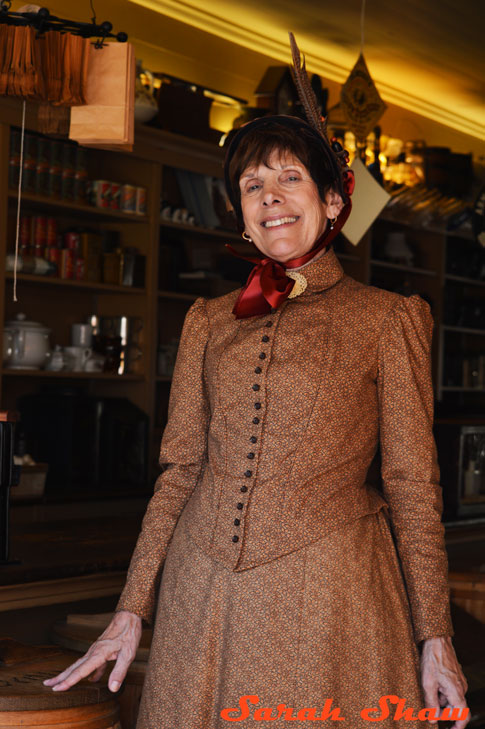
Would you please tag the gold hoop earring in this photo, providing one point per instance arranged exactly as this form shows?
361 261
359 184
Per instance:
332 223
245 236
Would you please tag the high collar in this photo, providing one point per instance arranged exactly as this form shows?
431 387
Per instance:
322 273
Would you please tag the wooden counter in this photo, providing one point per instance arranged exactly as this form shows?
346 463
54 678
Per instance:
66 561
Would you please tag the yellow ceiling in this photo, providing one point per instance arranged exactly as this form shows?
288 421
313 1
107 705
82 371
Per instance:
426 56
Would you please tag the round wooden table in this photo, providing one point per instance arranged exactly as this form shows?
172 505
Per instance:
26 702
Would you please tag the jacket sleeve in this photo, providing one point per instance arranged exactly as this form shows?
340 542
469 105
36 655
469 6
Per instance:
183 453
410 471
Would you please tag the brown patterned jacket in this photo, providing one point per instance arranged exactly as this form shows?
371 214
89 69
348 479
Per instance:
274 421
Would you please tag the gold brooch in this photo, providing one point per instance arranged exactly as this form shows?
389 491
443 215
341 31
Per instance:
299 285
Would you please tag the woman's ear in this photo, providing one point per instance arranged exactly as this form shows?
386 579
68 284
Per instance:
334 204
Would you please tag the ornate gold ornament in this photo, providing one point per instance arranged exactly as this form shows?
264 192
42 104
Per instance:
300 283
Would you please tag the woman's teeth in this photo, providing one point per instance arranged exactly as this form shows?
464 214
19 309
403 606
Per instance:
280 221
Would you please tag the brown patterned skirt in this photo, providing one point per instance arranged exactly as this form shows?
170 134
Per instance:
329 621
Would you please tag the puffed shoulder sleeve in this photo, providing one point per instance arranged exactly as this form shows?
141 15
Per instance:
182 455
410 471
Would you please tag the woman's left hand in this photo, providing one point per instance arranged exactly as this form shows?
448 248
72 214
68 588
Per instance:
444 684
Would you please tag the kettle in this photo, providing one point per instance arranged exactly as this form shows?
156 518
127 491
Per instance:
28 346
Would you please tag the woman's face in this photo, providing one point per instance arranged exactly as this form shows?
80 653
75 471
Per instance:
282 209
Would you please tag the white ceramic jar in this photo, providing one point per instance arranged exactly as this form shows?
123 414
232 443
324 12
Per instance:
29 347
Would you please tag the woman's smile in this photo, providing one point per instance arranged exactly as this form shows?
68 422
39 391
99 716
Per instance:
279 221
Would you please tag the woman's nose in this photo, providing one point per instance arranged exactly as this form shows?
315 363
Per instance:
272 197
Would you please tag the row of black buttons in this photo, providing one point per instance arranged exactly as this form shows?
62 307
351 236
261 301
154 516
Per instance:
253 439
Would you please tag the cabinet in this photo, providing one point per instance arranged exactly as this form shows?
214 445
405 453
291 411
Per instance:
173 247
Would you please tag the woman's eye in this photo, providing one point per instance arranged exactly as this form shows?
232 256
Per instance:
253 187
292 178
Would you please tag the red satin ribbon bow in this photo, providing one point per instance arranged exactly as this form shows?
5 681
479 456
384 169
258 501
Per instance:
268 285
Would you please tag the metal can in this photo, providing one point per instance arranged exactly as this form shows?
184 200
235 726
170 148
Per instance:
14 158
100 193
66 266
53 255
141 200
72 241
39 231
30 163
128 198
68 167
42 167
115 194
51 233
79 269
25 233
55 167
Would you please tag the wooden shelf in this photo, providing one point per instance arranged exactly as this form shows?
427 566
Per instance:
388 218
92 286
162 294
478 499
459 388
199 230
347 256
45 203
464 330
464 280
399 267
68 375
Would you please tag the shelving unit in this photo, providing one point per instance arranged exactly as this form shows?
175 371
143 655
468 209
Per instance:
173 246
73 209
403 268
464 280
92 286
72 375
199 230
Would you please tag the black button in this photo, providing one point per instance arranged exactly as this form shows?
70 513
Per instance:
235 538
239 506
269 323
255 387
255 421
248 473
253 439
262 355
237 522
265 338
250 456
257 405
258 370
244 489
273 310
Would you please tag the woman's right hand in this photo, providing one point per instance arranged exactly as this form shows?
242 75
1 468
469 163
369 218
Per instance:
119 643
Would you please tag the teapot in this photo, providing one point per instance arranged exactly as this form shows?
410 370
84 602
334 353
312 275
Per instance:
28 344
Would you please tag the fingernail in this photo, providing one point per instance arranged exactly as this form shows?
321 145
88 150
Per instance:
114 686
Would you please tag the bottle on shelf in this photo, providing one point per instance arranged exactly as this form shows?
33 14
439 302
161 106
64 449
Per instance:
375 166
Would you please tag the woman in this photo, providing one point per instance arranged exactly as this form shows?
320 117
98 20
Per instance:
281 585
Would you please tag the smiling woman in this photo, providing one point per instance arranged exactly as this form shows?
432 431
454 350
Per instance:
281 580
